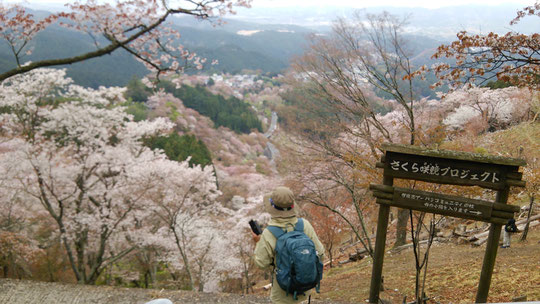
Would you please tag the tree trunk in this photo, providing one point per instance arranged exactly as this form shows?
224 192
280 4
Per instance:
526 229
184 258
153 273
146 276
246 260
403 214
401 227
201 282
330 255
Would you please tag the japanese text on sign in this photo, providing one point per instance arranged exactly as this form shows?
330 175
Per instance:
436 170
443 204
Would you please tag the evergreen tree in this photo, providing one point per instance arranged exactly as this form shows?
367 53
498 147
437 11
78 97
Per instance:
231 112
136 91
179 148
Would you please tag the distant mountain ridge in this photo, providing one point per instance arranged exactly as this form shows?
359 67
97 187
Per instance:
268 49
441 23
244 43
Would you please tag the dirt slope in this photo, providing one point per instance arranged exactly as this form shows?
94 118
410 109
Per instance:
31 292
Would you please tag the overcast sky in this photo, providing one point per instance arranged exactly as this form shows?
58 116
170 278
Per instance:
347 3
400 3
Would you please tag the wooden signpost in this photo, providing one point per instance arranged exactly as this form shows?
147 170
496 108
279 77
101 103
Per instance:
445 167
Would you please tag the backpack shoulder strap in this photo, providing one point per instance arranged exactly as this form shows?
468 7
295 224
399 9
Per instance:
276 231
299 225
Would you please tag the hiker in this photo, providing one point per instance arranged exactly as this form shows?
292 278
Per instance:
281 206
509 228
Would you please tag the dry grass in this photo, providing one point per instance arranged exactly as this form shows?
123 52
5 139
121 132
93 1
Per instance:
453 274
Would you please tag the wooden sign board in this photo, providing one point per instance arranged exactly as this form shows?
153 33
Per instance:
445 167
449 167
444 171
454 206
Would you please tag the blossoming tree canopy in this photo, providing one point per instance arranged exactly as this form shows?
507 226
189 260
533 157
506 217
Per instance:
512 57
77 154
488 109
137 26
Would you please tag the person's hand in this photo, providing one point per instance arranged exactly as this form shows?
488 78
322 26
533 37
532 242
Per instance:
255 237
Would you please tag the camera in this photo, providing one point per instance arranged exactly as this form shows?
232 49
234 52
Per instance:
255 227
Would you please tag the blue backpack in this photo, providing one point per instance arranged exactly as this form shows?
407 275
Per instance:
298 268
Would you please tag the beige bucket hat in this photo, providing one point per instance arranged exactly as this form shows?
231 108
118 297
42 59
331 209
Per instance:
280 203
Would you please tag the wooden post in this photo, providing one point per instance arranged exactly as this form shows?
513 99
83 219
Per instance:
380 243
526 229
491 252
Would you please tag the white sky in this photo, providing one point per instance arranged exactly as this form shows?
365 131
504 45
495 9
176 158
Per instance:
347 3
397 3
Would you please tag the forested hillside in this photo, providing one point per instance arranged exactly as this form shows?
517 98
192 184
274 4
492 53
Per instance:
57 42
268 51
237 46
229 112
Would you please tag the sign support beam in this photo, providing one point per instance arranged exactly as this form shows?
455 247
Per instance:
491 252
380 244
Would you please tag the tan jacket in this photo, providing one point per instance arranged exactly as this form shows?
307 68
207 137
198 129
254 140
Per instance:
264 255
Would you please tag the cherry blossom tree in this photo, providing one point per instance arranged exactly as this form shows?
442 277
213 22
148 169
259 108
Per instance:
512 57
229 257
364 54
137 26
521 141
214 254
193 235
181 197
17 252
217 242
328 227
17 248
338 185
77 154
491 109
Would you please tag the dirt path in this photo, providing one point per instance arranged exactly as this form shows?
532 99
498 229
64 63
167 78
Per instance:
31 292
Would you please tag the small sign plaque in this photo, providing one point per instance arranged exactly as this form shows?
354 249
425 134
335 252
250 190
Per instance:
442 204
